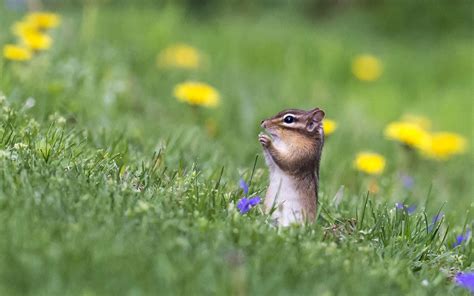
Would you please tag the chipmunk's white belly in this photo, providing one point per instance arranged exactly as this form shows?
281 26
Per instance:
283 197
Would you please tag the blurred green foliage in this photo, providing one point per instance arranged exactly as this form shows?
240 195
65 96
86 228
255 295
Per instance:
390 16
129 194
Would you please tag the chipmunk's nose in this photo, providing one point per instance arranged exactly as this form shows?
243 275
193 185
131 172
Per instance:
262 124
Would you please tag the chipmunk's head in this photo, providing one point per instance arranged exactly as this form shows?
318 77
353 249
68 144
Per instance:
297 135
293 124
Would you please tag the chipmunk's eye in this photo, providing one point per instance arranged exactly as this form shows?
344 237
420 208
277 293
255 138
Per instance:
289 119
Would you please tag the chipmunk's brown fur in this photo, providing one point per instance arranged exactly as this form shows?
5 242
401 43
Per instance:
292 153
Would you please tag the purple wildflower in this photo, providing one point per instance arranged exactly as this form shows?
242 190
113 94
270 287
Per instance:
245 204
462 238
407 181
466 280
437 217
409 209
435 220
244 186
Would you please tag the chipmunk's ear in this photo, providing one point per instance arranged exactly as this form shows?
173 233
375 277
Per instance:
315 118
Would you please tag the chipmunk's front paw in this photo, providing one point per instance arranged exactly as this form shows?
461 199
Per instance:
264 139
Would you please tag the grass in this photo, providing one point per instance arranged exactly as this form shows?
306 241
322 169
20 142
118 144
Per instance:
131 195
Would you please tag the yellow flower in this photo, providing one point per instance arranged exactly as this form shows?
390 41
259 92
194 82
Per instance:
367 68
24 27
329 126
370 163
43 20
197 93
179 56
421 121
443 145
407 133
16 53
37 40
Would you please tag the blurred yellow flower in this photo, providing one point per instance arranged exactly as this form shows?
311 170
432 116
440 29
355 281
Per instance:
180 56
367 67
370 163
407 133
329 126
197 93
16 53
24 27
37 40
443 145
421 121
44 20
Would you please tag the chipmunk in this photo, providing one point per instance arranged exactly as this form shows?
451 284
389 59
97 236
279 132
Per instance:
292 148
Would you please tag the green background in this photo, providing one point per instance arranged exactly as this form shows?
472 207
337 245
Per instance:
133 196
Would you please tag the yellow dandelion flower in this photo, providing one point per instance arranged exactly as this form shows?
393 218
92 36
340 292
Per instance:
367 68
179 56
329 126
197 93
24 27
370 163
37 40
44 20
407 133
443 145
421 121
16 53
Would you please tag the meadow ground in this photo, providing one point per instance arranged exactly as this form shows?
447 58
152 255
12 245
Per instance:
110 186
